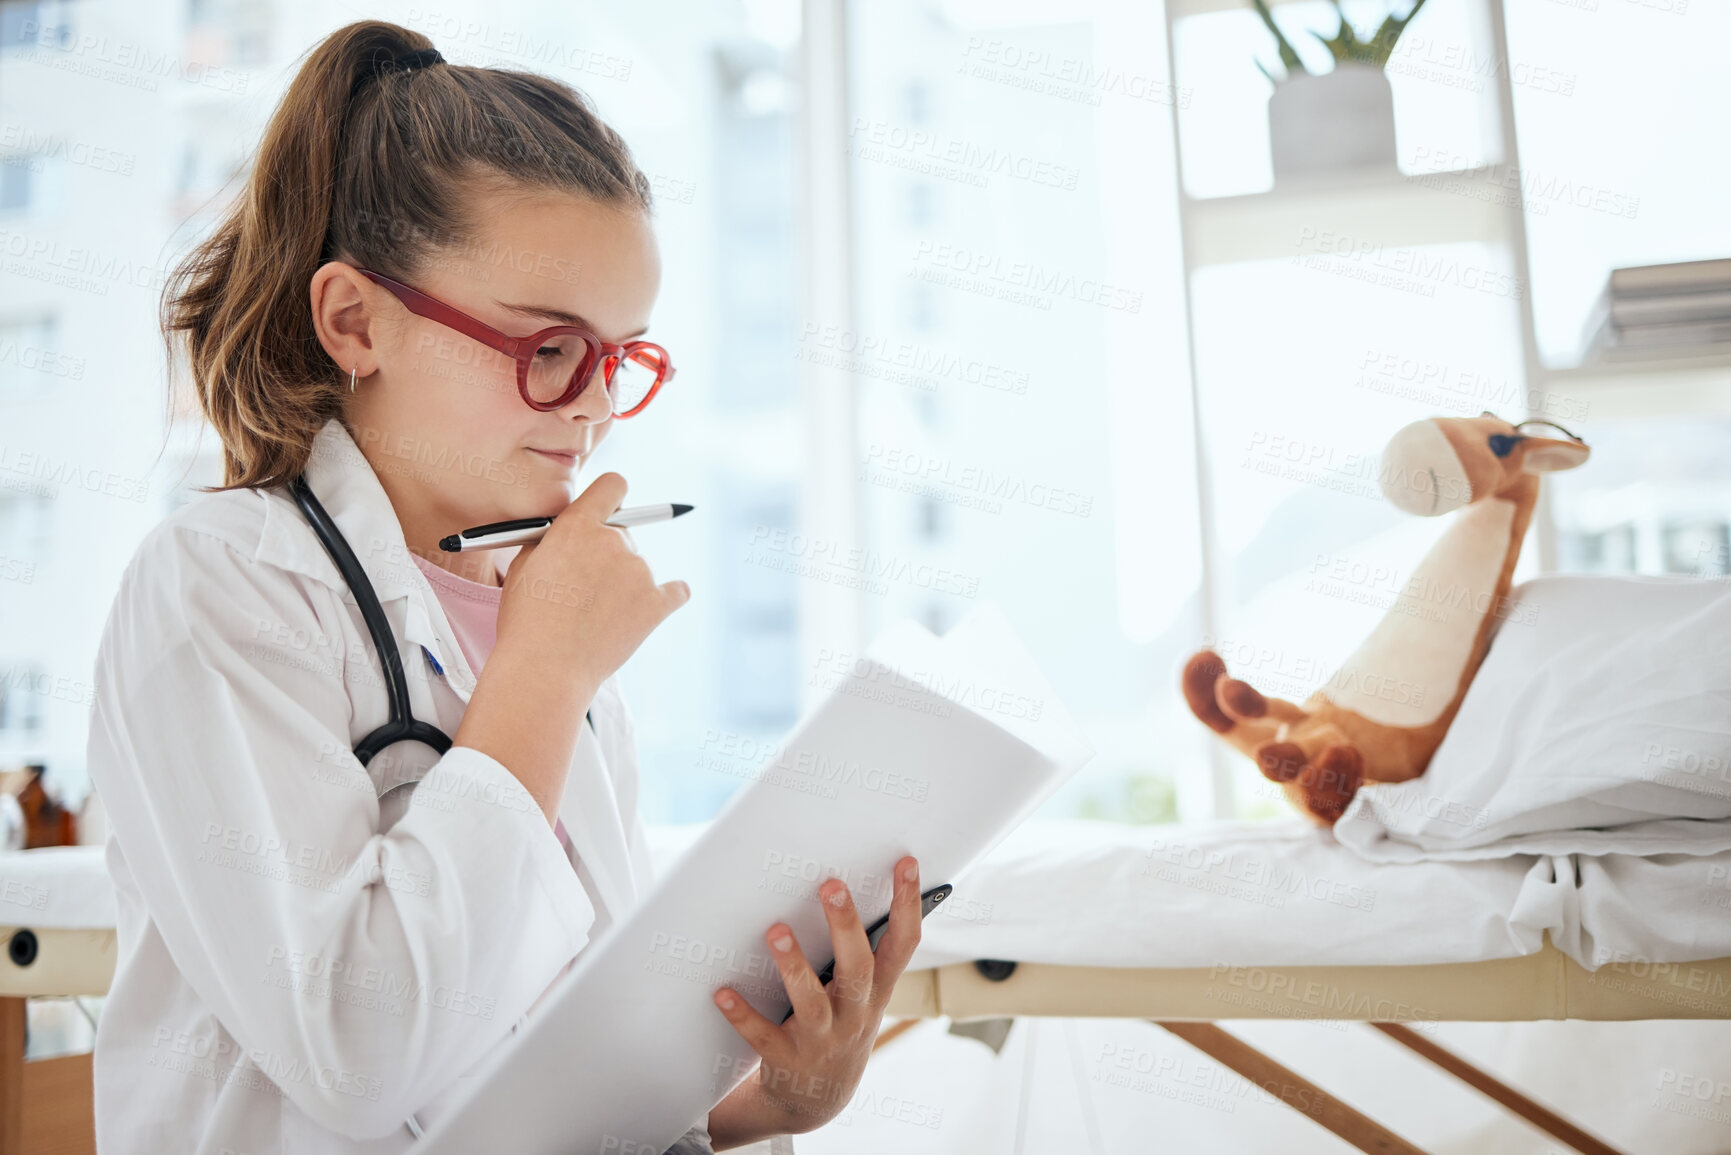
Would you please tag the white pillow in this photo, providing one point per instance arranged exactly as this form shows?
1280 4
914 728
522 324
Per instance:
1599 723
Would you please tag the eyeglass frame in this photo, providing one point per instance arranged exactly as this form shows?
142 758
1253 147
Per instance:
522 349
1503 444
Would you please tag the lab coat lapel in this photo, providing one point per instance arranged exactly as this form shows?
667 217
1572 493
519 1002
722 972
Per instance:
344 482
590 811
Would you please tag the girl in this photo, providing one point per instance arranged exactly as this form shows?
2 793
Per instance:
317 948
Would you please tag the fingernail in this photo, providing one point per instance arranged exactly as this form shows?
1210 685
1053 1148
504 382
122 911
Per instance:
839 898
725 999
911 871
782 942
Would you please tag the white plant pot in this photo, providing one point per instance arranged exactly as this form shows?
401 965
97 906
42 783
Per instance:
1339 121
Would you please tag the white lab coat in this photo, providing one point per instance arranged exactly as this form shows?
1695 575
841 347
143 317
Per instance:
300 969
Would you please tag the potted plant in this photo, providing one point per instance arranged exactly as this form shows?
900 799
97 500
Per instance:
1341 119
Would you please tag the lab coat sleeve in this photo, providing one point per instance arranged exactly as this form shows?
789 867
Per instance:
362 972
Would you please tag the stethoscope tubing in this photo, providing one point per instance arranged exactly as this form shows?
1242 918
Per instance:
403 726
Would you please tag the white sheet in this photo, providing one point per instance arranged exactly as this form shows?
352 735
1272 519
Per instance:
1287 894
1254 894
56 888
1599 723
1662 908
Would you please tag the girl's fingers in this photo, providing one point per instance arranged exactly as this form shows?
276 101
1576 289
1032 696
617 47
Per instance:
851 988
810 1006
903 934
753 1027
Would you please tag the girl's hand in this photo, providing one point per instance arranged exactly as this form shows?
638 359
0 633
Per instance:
576 605
581 600
812 1063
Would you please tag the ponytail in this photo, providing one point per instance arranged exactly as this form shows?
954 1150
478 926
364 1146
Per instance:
369 162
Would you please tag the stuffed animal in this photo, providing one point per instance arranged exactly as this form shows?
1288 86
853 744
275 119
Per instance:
1350 731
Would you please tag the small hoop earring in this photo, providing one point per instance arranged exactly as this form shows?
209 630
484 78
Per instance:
352 379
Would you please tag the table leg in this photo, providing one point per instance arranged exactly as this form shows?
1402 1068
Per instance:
12 1024
1291 1088
1544 1119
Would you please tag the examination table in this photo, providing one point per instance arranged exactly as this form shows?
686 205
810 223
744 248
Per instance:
1182 925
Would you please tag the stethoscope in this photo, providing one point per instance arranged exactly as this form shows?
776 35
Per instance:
403 725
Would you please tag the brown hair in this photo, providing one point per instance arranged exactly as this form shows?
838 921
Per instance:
370 163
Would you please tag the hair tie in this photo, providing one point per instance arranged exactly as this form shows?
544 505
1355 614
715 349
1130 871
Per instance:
421 58
407 62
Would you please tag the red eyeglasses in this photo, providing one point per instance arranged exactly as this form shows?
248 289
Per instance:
554 364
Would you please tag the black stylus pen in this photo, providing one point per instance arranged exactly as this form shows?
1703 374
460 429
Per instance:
527 529
876 931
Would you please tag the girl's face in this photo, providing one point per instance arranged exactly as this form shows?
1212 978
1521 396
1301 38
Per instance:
441 419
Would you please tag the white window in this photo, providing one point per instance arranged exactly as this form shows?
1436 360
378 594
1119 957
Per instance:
25 520
36 24
32 362
20 700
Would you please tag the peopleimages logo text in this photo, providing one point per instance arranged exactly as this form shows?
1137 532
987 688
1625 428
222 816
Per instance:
1025 275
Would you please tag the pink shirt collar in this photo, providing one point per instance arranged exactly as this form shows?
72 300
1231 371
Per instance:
470 607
